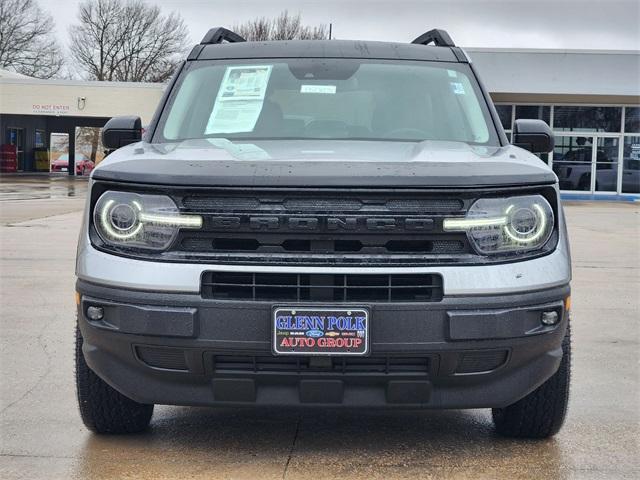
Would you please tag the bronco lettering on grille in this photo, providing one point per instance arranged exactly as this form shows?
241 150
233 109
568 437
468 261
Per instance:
271 223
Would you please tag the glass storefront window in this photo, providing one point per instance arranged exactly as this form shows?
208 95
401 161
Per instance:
632 119
39 138
607 164
539 112
587 119
89 149
504 112
572 162
631 165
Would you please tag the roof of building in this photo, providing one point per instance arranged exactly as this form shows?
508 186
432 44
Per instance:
564 72
613 76
10 74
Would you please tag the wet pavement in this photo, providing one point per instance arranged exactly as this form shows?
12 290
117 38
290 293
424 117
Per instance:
41 435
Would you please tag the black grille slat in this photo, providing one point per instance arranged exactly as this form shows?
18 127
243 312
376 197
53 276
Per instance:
322 287
220 203
213 245
344 365
430 205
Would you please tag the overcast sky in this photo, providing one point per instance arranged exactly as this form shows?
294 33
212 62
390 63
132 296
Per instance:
570 24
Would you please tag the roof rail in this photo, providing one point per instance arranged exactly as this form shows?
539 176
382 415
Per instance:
440 38
219 35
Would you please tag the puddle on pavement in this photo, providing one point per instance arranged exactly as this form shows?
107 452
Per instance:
54 188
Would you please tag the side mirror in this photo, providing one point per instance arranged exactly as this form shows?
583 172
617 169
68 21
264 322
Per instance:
121 131
533 135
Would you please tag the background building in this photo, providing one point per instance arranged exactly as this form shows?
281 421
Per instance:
50 120
591 99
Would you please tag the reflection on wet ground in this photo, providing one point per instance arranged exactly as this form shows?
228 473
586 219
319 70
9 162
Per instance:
319 445
14 187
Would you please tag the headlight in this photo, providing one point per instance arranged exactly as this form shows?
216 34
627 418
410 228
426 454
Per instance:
497 225
141 221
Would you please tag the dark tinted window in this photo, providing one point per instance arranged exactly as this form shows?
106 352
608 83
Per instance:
631 165
538 112
632 119
504 112
599 119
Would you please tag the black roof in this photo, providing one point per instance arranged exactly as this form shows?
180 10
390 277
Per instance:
326 49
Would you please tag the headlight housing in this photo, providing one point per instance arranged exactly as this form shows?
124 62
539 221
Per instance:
501 225
132 220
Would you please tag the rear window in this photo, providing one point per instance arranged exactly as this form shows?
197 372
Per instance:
327 99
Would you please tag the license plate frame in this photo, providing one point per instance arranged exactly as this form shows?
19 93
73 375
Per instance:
329 337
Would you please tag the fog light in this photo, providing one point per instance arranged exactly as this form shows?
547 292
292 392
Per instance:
95 313
550 318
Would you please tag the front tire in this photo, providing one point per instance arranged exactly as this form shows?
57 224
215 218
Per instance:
541 413
103 409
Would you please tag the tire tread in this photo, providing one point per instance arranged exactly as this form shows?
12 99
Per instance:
540 414
102 408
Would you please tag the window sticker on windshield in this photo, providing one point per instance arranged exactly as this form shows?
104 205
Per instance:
452 73
239 100
330 89
457 88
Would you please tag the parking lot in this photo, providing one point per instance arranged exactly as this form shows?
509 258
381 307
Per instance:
42 435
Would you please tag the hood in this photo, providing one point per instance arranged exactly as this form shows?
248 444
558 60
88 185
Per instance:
323 163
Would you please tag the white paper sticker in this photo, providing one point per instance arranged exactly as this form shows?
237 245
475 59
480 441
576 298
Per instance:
457 88
239 100
452 73
242 151
330 89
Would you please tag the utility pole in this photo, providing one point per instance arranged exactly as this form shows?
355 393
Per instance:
330 30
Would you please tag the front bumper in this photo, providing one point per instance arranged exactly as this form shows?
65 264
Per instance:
462 352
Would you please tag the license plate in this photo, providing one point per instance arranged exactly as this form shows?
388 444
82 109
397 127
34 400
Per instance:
320 331
63 169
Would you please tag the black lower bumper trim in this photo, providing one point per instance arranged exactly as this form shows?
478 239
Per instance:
463 353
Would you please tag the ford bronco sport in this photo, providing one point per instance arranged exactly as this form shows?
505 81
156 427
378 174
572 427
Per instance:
324 223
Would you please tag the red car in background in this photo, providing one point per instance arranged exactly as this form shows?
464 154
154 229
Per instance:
83 164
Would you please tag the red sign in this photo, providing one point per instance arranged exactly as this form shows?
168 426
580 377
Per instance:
8 158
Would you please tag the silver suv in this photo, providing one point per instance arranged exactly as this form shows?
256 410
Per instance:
324 224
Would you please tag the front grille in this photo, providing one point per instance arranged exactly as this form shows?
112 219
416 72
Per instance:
329 227
293 287
342 365
289 227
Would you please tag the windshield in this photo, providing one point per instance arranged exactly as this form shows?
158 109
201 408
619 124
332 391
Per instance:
324 98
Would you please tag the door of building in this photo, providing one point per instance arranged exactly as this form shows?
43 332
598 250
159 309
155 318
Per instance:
15 136
587 163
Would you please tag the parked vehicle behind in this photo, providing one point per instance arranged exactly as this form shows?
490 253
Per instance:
83 165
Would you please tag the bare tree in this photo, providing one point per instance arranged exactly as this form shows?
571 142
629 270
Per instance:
283 27
27 44
88 139
127 40
259 29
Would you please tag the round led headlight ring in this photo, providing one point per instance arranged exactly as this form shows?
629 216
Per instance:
525 223
123 217
120 220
